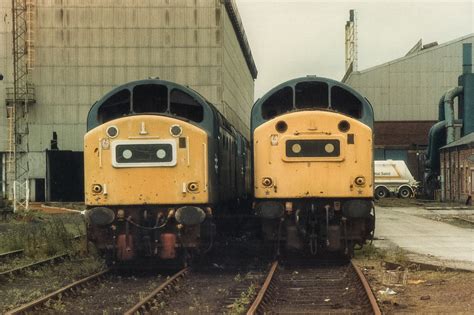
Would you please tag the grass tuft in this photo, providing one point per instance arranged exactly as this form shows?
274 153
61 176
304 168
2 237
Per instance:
241 304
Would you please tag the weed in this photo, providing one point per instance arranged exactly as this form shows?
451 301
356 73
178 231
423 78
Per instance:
41 235
369 251
238 278
392 254
56 305
397 255
240 305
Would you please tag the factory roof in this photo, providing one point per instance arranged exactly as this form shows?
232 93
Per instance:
466 140
417 50
234 15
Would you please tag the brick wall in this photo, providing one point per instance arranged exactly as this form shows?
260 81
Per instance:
457 171
402 133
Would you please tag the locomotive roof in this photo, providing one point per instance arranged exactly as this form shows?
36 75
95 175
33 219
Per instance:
366 113
209 110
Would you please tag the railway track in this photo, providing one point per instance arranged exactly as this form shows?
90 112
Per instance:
11 254
36 305
20 252
68 295
144 305
34 265
213 292
317 289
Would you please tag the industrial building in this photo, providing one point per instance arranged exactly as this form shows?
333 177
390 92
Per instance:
68 53
457 169
405 93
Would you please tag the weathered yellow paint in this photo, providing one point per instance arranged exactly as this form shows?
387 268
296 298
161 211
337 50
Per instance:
316 177
164 185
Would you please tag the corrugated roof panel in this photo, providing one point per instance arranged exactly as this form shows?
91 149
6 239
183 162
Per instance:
424 76
469 139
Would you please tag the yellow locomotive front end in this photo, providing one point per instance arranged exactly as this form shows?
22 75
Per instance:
146 186
145 160
316 154
313 166
150 173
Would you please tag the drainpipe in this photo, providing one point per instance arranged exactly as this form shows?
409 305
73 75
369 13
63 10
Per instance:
449 111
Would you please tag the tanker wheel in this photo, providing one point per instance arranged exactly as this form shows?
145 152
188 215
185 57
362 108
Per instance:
404 192
381 192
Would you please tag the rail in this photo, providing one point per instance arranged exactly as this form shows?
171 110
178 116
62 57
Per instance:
30 307
33 265
19 252
259 299
12 253
368 290
268 294
144 305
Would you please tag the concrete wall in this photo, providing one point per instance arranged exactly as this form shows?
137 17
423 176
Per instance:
409 88
84 48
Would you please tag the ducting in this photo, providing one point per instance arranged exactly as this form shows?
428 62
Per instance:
443 132
449 111
441 116
437 139
467 58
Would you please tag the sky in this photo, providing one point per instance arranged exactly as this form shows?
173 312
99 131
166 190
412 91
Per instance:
293 38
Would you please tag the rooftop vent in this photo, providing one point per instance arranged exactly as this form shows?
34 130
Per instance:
430 45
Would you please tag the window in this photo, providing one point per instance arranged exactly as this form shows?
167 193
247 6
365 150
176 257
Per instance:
116 106
280 102
311 95
150 98
345 102
184 105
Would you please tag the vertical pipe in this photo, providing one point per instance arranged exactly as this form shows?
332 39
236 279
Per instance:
467 58
467 99
27 197
4 170
449 111
14 196
441 115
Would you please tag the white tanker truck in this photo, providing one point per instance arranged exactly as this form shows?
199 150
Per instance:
394 177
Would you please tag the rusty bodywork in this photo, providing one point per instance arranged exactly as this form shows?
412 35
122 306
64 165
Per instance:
161 164
313 165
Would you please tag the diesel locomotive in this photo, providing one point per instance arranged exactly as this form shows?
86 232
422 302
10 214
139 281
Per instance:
313 166
161 165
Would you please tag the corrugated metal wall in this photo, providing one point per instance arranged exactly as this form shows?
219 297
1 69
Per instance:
409 88
236 89
85 48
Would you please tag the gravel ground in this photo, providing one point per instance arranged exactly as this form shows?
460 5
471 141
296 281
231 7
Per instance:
113 295
412 202
229 279
226 283
420 292
32 284
214 292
